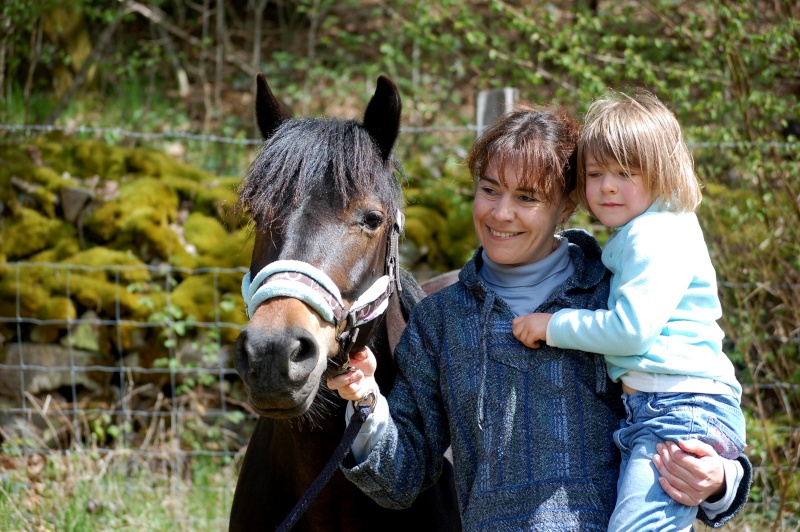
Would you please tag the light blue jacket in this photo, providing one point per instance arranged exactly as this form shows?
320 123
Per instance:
663 304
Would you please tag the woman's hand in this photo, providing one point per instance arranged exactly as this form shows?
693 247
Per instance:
357 383
691 471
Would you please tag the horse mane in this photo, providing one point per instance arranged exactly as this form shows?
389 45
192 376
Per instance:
308 153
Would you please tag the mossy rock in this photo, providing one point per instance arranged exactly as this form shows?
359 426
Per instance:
154 163
215 246
101 295
29 232
138 220
145 234
31 186
67 245
148 162
426 228
196 297
135 195
23 291
58 308
98 158
103 260
186 188
221 201
53 308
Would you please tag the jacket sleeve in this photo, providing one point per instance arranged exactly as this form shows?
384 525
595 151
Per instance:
739 500
408 456
654 275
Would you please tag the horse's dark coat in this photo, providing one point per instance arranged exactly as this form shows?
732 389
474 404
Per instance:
321 191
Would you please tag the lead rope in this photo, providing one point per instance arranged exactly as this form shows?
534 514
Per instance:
359 416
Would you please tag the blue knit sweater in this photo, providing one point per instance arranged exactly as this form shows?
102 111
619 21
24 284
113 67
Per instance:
530 430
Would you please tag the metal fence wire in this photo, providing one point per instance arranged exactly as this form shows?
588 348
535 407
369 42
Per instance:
169 371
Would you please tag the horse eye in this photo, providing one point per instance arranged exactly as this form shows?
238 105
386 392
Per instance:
373 219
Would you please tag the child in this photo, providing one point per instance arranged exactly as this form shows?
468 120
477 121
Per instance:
659 336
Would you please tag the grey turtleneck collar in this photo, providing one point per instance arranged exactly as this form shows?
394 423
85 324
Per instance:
526 287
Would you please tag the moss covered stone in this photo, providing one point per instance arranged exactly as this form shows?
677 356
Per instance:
23 291
29 232
102 259
154 163
221 201
98 158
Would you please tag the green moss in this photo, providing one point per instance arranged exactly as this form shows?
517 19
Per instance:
29 232
220 201
23 290
99 295
215 246
51 179
25 183
99 257
147 194
66 244
58 308
154 163
138 220
426 228
195 296
186 188
98 158
56 151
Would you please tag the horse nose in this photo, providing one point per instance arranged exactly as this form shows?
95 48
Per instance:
286 354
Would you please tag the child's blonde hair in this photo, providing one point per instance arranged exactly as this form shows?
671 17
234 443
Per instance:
636 130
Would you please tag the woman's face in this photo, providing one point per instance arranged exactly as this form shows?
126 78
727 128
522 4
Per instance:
515 226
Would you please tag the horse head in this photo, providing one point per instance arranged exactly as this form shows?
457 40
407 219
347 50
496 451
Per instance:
325 203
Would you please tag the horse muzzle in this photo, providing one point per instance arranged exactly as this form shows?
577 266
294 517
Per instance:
281 369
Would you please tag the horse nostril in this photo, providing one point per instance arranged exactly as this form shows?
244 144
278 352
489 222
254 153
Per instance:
306 349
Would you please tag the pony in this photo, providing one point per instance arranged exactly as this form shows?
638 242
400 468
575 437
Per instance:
325 202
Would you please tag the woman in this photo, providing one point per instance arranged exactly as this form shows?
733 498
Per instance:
530 431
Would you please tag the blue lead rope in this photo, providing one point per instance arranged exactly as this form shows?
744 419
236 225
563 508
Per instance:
359 416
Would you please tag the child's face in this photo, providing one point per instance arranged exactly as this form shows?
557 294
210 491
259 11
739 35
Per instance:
515 226
614 196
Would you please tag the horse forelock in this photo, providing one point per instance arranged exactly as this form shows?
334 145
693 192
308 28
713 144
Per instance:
306 155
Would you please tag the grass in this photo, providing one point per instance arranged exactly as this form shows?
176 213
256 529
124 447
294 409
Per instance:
81 490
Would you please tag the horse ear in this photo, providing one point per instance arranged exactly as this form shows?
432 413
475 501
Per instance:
382 117
269 112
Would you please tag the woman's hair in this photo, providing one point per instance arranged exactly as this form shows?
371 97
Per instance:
542 141
637 131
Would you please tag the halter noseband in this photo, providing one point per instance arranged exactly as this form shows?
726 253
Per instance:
300 280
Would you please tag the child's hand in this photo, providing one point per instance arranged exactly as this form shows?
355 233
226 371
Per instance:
531 330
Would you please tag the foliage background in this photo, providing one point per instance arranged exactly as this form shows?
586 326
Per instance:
729 70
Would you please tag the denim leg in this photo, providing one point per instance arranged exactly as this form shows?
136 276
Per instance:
641 503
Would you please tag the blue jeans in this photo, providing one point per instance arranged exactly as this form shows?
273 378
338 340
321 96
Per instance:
656 417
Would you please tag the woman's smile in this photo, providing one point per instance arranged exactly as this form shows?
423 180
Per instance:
515 225
501 234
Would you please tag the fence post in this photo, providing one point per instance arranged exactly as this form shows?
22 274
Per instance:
491 103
